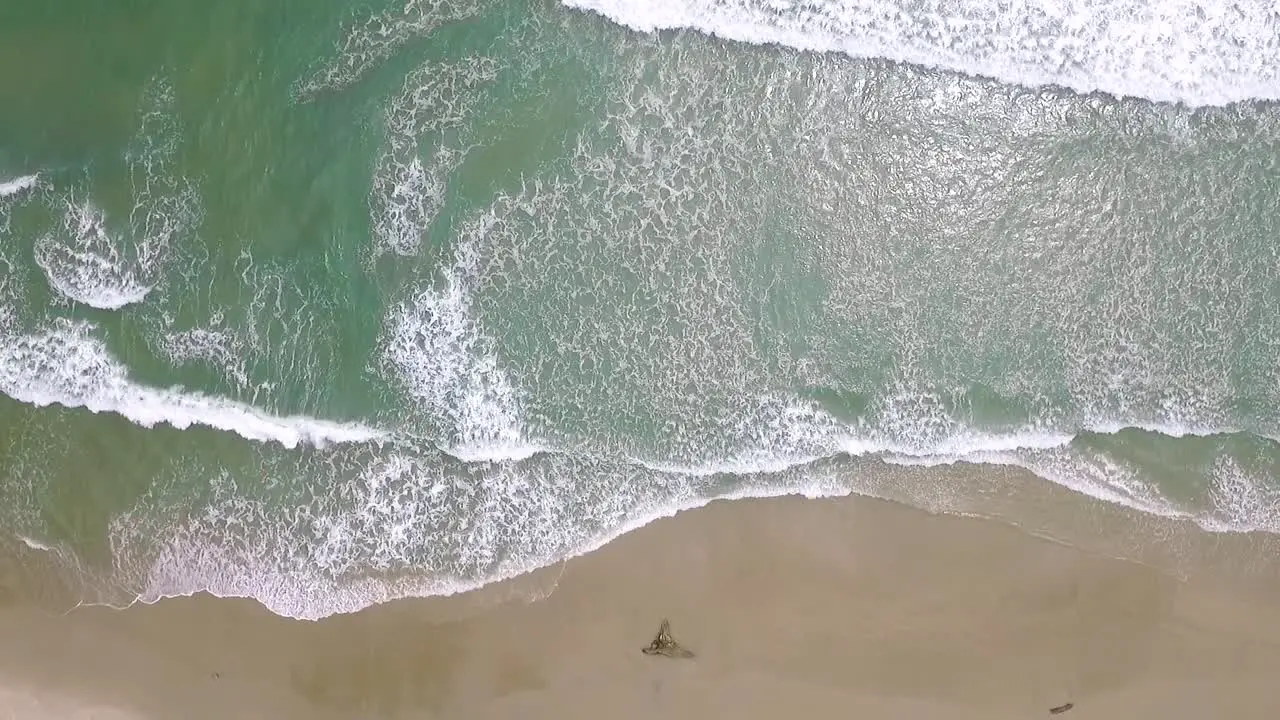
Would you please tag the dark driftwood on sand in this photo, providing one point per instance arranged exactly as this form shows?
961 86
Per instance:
1061 709
663 644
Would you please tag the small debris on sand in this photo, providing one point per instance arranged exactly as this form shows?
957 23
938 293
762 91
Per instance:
663 644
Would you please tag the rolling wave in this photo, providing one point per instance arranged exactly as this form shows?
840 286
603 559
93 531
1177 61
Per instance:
66 365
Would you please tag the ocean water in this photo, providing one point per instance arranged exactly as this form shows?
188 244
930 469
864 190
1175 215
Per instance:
325 303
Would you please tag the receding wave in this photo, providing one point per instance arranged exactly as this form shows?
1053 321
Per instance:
395 523
1198 52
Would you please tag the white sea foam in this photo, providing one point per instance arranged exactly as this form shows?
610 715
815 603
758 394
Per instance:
67 365
386 527
397 525
36 544
18 184
86 264
165 203
365 543
915 430
192 563
1199 52
1092 474
1173 429
109 268
335 564
218 347
434 339
407 190
11 279
1242 501
490 449
444 359
367 43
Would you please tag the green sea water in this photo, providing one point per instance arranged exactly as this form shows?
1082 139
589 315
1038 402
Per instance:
328 303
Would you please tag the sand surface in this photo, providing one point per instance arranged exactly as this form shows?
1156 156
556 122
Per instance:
795 608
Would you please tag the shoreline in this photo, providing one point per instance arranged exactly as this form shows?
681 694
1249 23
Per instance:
1175 543
812 607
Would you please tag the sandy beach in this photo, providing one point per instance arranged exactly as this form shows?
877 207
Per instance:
831 608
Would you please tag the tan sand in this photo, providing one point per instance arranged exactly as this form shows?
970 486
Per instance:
849 608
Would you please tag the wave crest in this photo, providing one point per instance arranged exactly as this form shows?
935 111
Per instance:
66 365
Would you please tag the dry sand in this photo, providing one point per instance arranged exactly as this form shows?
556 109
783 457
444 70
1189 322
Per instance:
845 608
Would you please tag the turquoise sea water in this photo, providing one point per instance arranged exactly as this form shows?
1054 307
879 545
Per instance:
325 304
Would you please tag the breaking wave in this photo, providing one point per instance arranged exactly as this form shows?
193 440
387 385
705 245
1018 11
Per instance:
1198 52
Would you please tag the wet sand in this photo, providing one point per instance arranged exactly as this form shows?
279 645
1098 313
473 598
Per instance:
796 608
